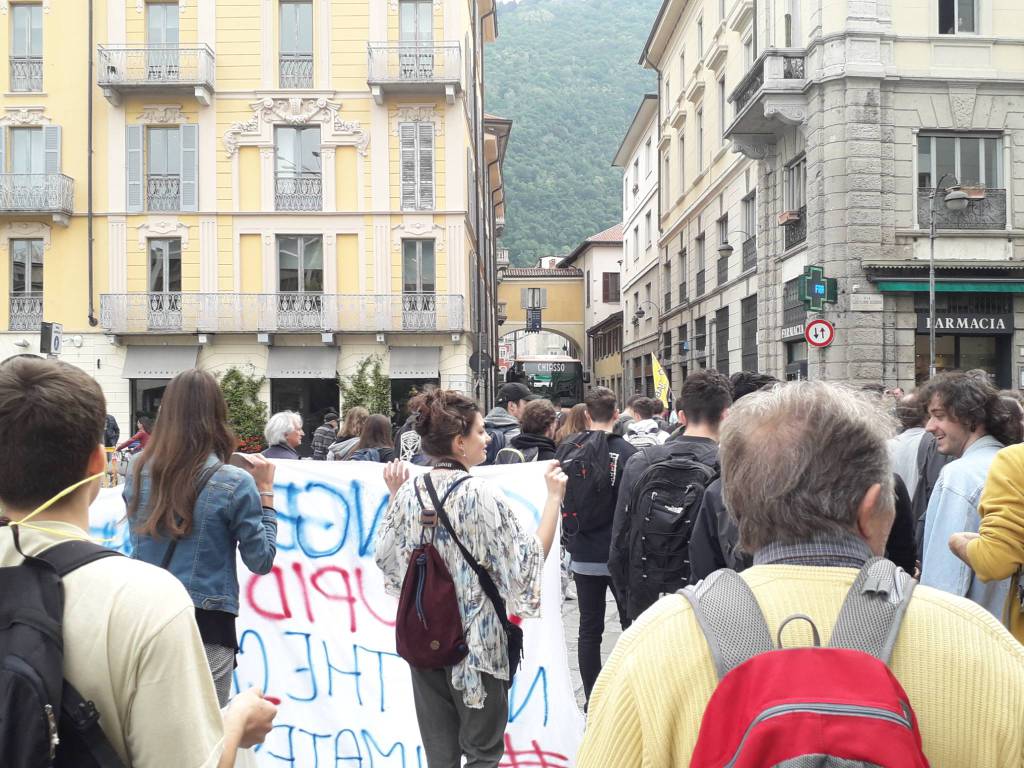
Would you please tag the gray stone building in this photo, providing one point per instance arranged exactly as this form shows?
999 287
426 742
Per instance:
856 112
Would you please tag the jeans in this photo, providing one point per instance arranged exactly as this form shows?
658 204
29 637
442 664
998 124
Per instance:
590 596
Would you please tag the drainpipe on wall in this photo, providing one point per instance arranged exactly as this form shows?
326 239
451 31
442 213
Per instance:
93 322
478 140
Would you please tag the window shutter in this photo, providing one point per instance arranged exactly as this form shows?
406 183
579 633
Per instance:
133 164
524 298
407 152
543 298
606 287
51 148
426 165
189 167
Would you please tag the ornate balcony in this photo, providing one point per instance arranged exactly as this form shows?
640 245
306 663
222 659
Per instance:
988 212
145 313
298 192
414 68
51 194
749 253
26 73
156 69
768 100
25 311
163 193
796 231
296 70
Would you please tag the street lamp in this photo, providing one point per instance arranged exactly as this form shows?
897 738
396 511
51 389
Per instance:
640 314
725 250
956 200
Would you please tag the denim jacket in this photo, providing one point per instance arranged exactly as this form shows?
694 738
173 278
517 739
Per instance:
953 508
227 515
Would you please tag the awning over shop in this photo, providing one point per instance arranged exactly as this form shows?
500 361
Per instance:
158 362
302 363
415 363
950 286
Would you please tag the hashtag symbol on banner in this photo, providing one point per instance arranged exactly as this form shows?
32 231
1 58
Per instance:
534 757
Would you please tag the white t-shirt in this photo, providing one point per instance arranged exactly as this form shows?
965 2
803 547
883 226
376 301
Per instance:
131 645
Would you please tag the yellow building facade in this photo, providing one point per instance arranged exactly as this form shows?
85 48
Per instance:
558 295
282 186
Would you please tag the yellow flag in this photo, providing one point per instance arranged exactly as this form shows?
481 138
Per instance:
662 390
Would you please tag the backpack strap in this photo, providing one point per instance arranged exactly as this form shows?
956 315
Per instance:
84 718
730 618
873 610
69 556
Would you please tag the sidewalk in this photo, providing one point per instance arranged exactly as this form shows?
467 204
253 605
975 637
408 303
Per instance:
571 621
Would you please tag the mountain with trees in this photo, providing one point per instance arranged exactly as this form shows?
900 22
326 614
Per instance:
566 73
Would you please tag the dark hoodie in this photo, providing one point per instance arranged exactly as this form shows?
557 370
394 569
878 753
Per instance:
545 445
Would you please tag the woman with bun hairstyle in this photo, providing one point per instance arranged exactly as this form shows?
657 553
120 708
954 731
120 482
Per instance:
463 709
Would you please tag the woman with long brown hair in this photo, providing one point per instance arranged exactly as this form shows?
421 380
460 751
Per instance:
576 421
189 511
375 442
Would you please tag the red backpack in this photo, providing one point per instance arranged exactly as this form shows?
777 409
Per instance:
428 625
808 707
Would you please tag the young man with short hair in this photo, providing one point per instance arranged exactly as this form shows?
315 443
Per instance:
705 398
131 644
325 436
627 415
589 544
644 431
972 424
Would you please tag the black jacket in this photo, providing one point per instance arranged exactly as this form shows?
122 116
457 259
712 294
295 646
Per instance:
715 541
545 445
625 573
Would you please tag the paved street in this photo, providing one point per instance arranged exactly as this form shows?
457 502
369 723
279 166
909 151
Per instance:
571 620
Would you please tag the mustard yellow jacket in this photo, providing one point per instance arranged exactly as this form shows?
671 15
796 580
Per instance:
998 553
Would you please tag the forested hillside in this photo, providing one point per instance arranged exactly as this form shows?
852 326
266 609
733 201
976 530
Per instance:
566 73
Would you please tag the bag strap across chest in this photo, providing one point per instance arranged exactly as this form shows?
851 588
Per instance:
735 628
204 478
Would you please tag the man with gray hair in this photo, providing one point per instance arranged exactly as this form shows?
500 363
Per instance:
806 472
283 434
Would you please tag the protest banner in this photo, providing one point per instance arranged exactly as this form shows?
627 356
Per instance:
317 632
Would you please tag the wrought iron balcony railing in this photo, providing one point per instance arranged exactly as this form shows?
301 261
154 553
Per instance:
796 232
284 312
26 311
988 212
50 193
414 66
749 253
296 70
163 193
26 73
774 65
127 67
298 192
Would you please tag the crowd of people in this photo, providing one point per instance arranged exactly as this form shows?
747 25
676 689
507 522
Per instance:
887 523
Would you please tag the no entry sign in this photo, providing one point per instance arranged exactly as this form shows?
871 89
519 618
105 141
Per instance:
820 333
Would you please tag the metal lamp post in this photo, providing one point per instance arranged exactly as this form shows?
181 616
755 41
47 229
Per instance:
956 200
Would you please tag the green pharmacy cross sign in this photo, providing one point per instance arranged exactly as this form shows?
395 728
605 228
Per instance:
816 290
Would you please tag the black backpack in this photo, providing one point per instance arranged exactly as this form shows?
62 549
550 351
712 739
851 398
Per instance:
44 721
662 511
512 455
589 502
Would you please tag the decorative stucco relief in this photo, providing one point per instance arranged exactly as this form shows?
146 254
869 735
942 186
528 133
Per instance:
268 112
162 228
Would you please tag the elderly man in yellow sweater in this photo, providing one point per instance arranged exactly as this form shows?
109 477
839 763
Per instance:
806 472
997 550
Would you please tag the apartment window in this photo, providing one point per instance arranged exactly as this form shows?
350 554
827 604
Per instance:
647 229
700 140
666 346
796 185
587 280
788 29
748 332
163 34
958 17
636 242
682 275
610 287
300 264
27 152
666 181
297 175
296 56
700 335
748 54
668 92
666 286
416 21
970 160
682 71
636 176
648 166
722 340
723 261
533 298
721 9
750 231
26 299
700 38
417 158
163 168
682 162
165 265
722 105
701 274
26 47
